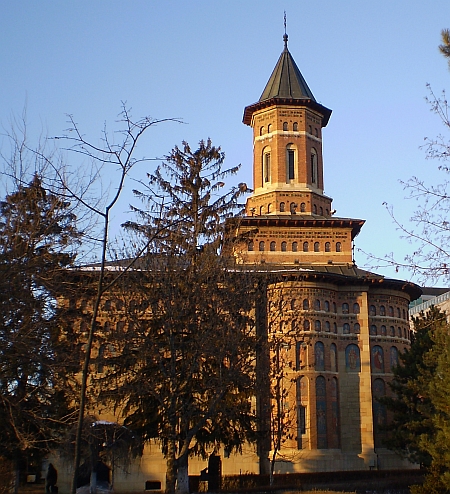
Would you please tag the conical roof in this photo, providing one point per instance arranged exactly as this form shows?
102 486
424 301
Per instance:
286 80
286 86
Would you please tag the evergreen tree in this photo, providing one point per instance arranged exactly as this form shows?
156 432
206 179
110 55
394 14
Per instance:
37 240
189 354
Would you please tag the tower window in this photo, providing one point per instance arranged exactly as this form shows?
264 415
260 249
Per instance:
305 247
293 207
283 246
269 128
285 126
316 132
261 246
327 247
302 207
295 127
272 246
269 208
261 131
313 166
290 163
282 207
294 246
266 166
250 246
315 208
316 246
338 247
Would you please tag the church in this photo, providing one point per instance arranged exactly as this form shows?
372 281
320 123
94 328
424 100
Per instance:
331 332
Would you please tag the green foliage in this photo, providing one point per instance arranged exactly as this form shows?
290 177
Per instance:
37 237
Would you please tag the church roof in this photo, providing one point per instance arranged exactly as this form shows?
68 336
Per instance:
286 86
286 80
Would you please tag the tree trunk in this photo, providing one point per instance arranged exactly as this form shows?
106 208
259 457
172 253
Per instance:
182 475
171 474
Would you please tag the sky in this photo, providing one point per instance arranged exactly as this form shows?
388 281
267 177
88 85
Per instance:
204 61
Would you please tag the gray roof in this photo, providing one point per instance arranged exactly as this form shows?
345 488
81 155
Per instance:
286 80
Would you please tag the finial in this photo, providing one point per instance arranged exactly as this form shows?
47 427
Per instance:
285 36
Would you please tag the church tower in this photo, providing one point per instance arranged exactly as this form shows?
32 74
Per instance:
293 216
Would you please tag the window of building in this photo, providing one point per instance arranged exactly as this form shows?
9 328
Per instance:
335 328
321 412
310 129
373 330
333 358
283 246
315 208
292 207
382 310
356 308
269 208
266 166
306 325
250 246
261 210
273 246
372 310
334 307
346 328
391 311
398 313
344 308
313 166
383 330
393 358
316 132
399 332
352 358
285 126
269 128
305 246
317 325
391 331
317 304
295 127
261 131
294 246
321 211
290 158
377 359
293 303
327 326
302 207
338 247
282 207
356 328
327 247
316 246
305 304
261 246
327 306
319 356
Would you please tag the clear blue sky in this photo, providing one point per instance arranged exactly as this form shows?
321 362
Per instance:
204 61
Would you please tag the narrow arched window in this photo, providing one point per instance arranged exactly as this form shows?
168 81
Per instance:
269 208
327 306
294 246
344 308
282 207
315 208
285 126
382 310
383 330
295 127
318 325
283 246
316 132
356 328
327 326
269 128
313 166
346 328
335 328
377 359
306 325
302 207
338 247
316 246
261 210
293 304
321 412
305 304
250 246
372 310
305 246
261 131
266 165
321 211
391 311
261 246
317 304
319 356
356 308
327 247
290 162
373 330
272 246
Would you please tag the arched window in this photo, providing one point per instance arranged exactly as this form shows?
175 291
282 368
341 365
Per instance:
356 308
379 412
261 210
377 359
313 166
283 246
382 310
319 356
327 326
335 428
352 358
293 303
285 126
250 246
356 328
399 332
372 310
305 247
398 313
269 128
338 247
346 328
391 331
269 208
315 208
295 127
290 161
335 328
316 132
383 330
394 358
266 165
292 207
317 325
327 306
272 246
321 412
302 207
391 311
310 129
261 246
261 131
306 325
344 308
373 330
333 358
316 246
302 402
282 207
306 304
317 304
334 307
321 211
404 314
327 247
294 246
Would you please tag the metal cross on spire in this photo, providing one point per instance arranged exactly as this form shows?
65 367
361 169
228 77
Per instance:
285 36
